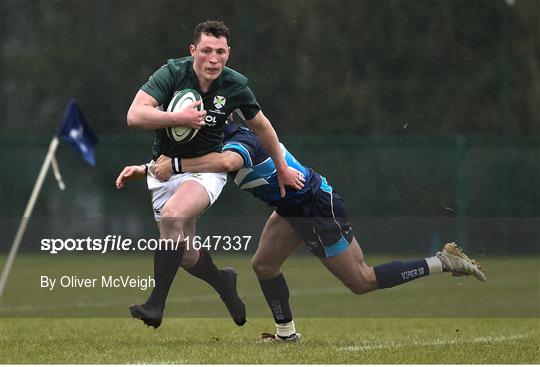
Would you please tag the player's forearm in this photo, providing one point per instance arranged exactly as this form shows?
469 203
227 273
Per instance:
148 117
212 162
268 138
271 145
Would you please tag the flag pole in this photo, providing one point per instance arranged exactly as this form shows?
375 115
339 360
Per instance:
56 171
27 213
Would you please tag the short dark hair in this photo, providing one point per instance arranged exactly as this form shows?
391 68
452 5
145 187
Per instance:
215 28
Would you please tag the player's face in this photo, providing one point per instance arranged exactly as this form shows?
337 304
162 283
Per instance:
209 57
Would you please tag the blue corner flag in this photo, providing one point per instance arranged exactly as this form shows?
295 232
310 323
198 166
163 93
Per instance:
76 132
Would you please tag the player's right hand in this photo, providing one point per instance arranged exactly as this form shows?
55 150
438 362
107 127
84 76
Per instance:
290 177
190 116
129 173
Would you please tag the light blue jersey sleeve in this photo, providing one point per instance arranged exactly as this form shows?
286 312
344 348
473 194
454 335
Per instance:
240 149
259 174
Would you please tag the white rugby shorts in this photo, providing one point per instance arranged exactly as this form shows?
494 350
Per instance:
161 192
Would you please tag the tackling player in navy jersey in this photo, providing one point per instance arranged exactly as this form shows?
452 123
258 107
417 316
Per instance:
314 215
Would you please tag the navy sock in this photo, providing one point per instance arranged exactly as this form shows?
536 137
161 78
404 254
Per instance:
276 292
206 270
166 264
399 272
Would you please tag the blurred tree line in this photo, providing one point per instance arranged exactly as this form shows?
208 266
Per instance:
350 67
412 109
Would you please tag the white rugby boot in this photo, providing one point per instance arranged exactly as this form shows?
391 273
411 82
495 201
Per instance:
455 261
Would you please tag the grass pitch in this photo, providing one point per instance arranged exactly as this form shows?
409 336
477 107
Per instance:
326 341
439 319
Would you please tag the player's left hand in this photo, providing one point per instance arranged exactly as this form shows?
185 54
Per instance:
163 168
290 177
129 173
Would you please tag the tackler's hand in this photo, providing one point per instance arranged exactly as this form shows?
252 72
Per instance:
129 173
290 177
163 168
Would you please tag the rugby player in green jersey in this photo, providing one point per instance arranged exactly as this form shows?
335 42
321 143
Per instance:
178 202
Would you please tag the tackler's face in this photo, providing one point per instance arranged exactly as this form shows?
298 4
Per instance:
210 55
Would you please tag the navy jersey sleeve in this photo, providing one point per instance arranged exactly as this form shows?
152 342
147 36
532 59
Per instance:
244 149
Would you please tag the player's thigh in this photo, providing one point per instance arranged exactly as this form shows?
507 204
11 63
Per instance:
278 241
350 267
188 201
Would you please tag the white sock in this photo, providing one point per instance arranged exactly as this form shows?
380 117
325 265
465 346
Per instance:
435 265
285 330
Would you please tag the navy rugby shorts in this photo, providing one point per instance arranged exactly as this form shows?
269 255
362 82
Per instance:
319 217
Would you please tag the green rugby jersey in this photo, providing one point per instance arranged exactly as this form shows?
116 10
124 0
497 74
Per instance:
227 93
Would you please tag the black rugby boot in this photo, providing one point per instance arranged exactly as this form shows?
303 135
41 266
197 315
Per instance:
229 296
150 314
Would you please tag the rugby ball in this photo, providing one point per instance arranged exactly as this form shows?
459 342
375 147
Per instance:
182 134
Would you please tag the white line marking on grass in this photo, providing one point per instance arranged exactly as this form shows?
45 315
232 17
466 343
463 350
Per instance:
433 343
171 301
104 304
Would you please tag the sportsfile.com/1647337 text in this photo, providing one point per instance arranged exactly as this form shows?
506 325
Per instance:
111 243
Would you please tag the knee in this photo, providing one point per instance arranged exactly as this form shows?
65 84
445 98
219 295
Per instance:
173 220
172 213
264 270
